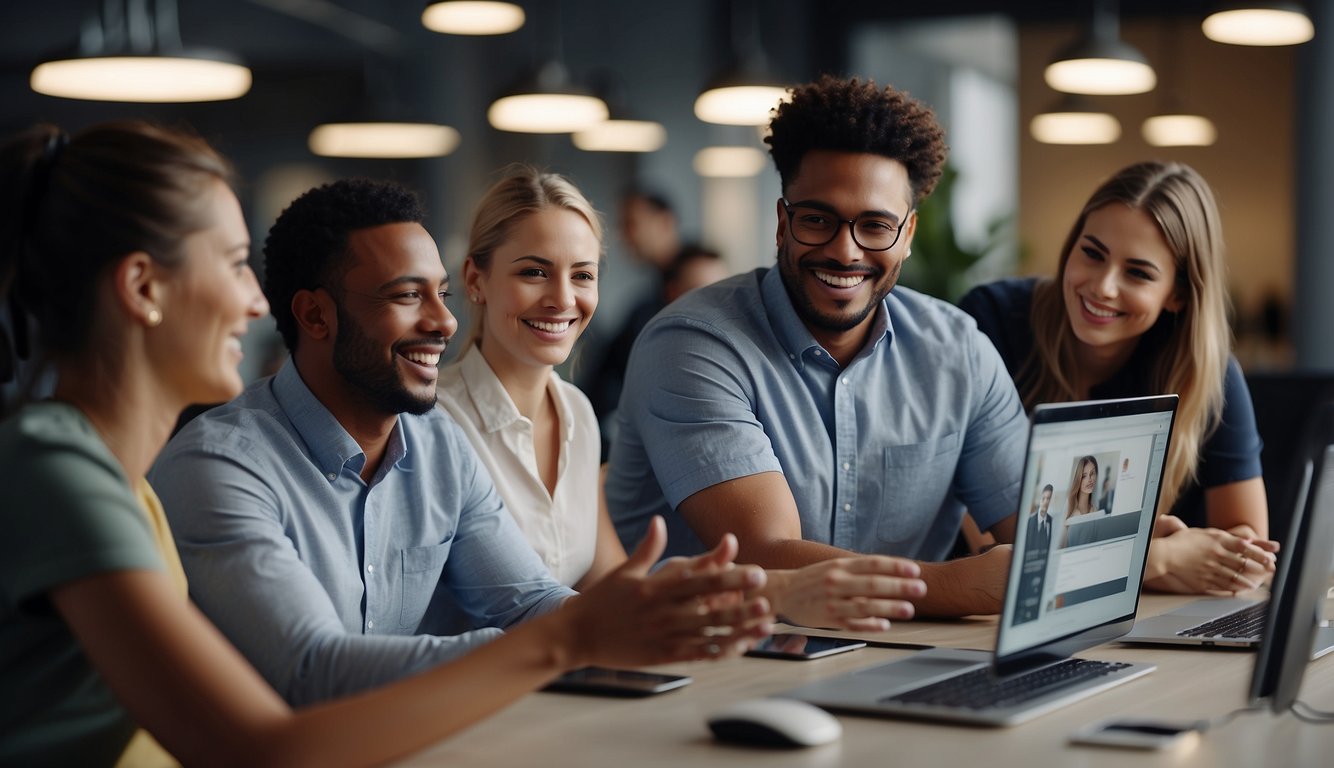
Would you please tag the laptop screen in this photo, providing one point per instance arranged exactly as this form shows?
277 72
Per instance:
1090 486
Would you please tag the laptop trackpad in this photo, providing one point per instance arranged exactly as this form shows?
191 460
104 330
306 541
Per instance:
870 685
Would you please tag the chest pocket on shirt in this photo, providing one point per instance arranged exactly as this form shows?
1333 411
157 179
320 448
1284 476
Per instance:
421 574
916 480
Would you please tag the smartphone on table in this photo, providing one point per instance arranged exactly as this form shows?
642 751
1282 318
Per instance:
1137 733
605 681
798 647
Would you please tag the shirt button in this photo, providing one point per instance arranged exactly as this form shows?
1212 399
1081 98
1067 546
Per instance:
819 352
370 568
332 476
846 466
845 380
370 623
847 507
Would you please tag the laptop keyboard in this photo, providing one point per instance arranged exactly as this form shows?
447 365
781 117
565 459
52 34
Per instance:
1244 624
979 689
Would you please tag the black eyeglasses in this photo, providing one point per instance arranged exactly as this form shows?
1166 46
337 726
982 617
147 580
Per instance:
817 226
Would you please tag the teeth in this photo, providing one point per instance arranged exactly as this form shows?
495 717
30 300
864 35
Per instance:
839 281
1097 312
549 327
423 358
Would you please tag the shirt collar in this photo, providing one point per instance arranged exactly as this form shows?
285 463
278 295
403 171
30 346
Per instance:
330 445
793 334
495 407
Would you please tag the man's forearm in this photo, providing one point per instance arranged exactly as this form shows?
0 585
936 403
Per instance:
788 553
963 587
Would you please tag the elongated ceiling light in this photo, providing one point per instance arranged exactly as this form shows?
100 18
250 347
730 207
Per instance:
614 135
383 140
1179 131
1259 23
1073 121
150 66
472 17
728 162
548 103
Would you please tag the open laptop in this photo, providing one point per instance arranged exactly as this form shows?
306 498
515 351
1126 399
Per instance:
1239 622
1064 593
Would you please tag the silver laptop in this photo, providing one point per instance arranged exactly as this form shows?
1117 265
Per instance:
1066 592
1230 622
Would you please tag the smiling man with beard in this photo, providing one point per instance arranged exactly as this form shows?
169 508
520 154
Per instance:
332 522
814 410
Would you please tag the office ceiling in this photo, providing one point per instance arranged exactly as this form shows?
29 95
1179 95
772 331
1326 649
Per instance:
311 33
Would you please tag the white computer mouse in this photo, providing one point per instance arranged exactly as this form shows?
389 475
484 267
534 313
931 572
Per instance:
775 722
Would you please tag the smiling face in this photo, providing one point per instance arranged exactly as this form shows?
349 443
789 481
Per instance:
836 287
1119 278
209 303
539 291
391 317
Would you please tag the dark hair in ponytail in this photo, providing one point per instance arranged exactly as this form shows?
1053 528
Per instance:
70 208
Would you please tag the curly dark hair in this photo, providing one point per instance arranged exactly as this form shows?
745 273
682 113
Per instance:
307 245
856 116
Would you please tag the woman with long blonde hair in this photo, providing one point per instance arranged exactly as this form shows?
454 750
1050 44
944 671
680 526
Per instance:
1139 307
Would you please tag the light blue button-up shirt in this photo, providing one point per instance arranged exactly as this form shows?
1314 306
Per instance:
328 584
728 382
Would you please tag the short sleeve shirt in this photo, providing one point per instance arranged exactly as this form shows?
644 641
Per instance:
728 382
70 512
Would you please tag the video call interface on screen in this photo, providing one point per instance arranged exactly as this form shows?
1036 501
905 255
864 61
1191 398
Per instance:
1086 515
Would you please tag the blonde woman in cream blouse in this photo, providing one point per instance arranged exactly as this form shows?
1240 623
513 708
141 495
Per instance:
530 280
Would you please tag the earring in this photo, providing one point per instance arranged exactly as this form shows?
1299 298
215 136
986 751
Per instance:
909 253
476 298
154 318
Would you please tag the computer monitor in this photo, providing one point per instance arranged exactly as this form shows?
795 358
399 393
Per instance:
1297 597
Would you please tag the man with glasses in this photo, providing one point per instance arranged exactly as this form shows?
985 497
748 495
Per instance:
807 408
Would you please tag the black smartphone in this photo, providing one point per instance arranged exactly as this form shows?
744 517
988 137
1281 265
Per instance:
604 681
798 647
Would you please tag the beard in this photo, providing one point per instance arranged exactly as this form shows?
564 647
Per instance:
813 316
359 359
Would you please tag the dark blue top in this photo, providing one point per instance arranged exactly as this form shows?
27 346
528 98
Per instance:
1229 455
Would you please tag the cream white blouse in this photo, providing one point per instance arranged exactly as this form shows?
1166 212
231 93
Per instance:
562 528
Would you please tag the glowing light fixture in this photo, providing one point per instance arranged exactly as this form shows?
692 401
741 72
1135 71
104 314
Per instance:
1072 121
1259 23
136 55
472 17
1100 63
728 162
1179 131
383 140
745 92
614 135
548 103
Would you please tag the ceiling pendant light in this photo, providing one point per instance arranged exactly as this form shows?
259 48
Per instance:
728 162
1172 126
1259 23
472 17
1100 63
1074 121
389 129
621 135
747 91
134 54
386 140
548 101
